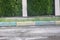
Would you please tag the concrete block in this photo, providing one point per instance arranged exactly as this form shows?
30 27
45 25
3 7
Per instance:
57 22
45 23
25 23
7 23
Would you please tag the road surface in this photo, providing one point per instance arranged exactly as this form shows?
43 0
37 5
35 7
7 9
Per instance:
30 33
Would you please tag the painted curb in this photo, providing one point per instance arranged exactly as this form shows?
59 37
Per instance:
25 23
38 23
57 22
7 23
45 23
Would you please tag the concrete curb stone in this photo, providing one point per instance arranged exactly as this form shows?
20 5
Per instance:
28 23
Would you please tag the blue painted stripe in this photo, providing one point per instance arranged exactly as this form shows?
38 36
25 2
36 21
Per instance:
7 23
44 22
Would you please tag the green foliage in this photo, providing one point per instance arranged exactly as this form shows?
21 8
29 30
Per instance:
35 7
40 7
10 8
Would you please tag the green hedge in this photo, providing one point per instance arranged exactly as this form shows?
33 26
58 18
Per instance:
35 7
10 8
40 7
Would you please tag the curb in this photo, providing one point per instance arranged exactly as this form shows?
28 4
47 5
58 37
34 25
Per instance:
57 22
44 23
7 23
36 23
25 23
30 23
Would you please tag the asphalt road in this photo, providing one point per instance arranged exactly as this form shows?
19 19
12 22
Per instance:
30 33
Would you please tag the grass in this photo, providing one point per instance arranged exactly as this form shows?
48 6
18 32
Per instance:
30 19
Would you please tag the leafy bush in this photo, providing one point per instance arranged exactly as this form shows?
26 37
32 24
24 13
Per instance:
10 8
40 7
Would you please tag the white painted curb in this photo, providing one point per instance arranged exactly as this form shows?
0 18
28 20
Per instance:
57 22
25 23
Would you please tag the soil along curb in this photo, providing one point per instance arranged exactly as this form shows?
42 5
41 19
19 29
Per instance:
7 23
19 19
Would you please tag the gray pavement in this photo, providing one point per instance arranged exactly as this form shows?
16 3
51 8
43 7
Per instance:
30 33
